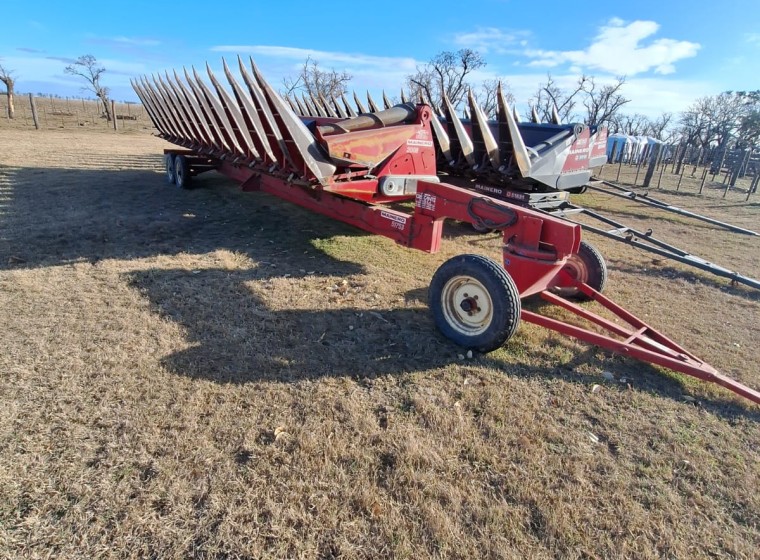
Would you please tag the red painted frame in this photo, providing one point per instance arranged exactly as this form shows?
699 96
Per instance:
536 247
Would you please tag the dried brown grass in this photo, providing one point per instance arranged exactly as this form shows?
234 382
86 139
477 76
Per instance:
215 374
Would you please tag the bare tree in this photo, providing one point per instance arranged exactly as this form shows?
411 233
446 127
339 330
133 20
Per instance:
486 96
550 94
695 123
86 66
317 82
446 72
6 76
633 125
602 103
659 126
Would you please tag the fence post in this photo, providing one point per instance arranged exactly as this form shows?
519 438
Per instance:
663 165
653 157
34 112
753 187
704 178
113 113
680 177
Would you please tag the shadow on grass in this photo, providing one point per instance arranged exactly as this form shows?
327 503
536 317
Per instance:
641 376
51 217
236 336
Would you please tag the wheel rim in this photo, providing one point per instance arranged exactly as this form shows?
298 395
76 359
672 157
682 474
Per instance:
180 174
467 305
170 169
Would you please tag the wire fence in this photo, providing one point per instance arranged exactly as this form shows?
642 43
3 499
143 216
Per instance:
684 167
70 112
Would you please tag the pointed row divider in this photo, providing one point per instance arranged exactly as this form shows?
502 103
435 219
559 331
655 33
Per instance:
191 120
309 107
206 113
305 154
220 117
359 105
301 109
461 144
234 117
212 142
328 109
510 139
372 105
338 109
154 94
349 109
251 116
386 102
272 133
555 115
155 114
173 111
483 140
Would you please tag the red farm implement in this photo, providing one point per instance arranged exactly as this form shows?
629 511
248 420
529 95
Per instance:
360 168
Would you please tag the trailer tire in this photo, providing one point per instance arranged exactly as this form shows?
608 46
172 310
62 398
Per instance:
182 176
169 166
474 302
589 267
578 190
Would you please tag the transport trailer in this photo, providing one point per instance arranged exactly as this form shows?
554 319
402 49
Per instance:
358 169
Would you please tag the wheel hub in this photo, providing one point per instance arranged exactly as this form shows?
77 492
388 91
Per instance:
467 305
470 305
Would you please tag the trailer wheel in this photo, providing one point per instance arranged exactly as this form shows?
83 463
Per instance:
169 166
589 267
182 177
474 302
578 190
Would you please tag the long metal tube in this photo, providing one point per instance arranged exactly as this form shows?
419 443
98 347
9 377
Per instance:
649 201
388 117
653 245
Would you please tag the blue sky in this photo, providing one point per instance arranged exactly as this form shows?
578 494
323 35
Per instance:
671 52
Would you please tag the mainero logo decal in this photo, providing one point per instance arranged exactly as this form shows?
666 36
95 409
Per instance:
393 217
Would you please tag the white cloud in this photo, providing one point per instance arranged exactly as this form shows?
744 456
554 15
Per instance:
138 42
621 48
753 38
490 39
326 58
367 71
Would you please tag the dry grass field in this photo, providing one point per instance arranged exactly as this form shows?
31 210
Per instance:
217 374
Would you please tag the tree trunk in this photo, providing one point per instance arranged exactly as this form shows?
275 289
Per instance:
106 106
9 83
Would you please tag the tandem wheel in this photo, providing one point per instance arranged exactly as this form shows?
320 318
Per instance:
586 266
169 167
182 175
474 302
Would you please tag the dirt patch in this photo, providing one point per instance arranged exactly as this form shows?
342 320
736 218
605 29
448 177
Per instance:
217 374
